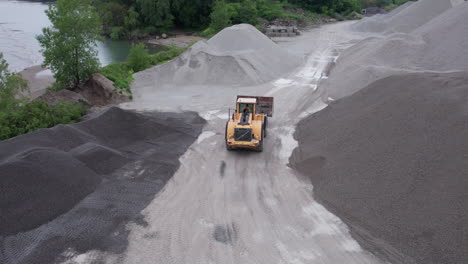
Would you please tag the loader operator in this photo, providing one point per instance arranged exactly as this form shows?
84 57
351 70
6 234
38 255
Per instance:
245 115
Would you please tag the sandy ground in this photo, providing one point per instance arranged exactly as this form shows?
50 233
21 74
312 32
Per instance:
39 79
180 40
244 207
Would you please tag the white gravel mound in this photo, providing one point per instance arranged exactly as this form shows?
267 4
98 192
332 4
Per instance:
237 56
440 45
405 19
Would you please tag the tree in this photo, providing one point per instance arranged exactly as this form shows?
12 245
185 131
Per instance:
69 45
138 59
131 20
10 85
219 16
156 13
191 13
248 12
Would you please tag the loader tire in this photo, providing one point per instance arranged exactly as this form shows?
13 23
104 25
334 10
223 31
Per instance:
225 138
265 123
260 145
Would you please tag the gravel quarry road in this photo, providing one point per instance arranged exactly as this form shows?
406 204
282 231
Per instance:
242 206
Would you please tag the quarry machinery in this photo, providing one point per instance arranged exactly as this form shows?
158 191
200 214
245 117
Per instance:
246 127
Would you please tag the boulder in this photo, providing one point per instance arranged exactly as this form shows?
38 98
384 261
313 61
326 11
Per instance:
99 90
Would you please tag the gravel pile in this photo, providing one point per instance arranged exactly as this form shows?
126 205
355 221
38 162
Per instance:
78 186
390 160
406 18
237 56
439 45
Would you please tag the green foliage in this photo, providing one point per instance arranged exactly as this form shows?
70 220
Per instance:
400 2
290 16
208 33
243 12
138 59
117 33
269 9
329 7
38 114
383 3
166 55
121 74
140 18
247 12
69 45
219 17
192 13
113 14
150 29
390 7
10 85
156 13
386 4
131 20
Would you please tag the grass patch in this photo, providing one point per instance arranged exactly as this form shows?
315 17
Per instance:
122 73
38 114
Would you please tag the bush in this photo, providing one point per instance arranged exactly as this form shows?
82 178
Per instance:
269 9
38 114
138 59
166 55
248 12
11 85
117 33
390 7
121 74
400 2
150 30
208 33
220 17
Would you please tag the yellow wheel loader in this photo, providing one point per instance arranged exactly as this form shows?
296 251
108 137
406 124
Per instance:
246 127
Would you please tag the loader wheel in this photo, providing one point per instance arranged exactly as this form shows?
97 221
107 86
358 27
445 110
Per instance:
265 126
229 147
225 138
260 145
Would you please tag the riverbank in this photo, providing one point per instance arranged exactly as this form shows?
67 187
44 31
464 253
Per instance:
180 40
39 79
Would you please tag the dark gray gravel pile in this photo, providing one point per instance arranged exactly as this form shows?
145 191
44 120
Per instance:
392 162
75 187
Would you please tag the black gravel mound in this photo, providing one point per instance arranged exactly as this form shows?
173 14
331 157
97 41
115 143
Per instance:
39 185
391 161
73 188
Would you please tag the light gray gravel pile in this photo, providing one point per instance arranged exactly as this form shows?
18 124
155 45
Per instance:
440 45
238 55
405 19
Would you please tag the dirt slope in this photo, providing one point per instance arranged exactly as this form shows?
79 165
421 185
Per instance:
391 160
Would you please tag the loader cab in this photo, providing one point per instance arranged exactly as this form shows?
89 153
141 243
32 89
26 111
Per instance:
242 103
